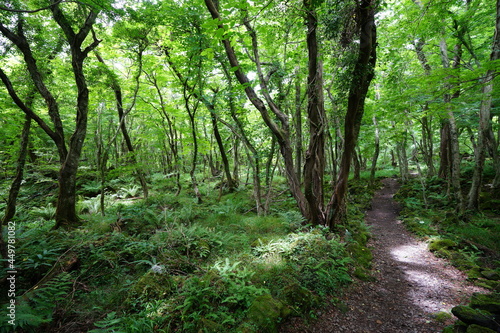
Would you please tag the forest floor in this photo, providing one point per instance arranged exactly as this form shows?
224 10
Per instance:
411 286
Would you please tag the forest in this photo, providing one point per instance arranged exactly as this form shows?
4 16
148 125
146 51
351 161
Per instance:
208 166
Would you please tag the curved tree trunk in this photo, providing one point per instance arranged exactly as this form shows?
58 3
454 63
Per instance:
361 78
314 167
69 155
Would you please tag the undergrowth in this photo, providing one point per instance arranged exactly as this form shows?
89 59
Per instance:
470 242
168 264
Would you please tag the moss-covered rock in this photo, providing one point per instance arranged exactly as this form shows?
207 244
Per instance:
486 302
491 274
265 313
442 316
441 244
361 254
488 284
300 299
474 273
478 329
471 316
152 286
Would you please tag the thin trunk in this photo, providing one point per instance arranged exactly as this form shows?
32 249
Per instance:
10 209
357 165
402 160
281 133
192 113
454 151
231 184
376 153
427 143
236 159
269 162
484 120
298 128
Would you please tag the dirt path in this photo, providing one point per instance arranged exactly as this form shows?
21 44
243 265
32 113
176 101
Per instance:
411 283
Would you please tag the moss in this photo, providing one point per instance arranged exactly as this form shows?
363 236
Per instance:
471 316
363 274
265 313
152 286
491 274
487 302
478 329
474 273
439 244
300 299
488 284
444 253
361 254
442 316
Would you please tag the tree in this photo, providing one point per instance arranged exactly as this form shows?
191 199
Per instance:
69 153
311 202
485 120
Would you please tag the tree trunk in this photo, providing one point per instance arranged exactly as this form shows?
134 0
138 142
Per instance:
10 209
361 78
402 159
376 153
444 151
231 185
427 143
68 155
454 151
357 165
281 133
484 120
314 167
298 128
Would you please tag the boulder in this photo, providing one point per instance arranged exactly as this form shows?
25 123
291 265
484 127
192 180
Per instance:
438 244
265 313
486 302
471 316
478 329
491 275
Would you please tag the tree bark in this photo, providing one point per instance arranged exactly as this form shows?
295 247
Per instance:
314 167
231 184
10 209
454 151
122 113
362 76
281 133
298 128
376 152
484 120
69 155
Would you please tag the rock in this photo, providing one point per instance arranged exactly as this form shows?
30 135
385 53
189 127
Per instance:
474 273
478 329
438 244
471 316
210 326
491 275
265 312
488 284
152 286
487 302
299 298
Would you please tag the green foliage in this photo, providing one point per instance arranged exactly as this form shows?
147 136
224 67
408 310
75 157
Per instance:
38 306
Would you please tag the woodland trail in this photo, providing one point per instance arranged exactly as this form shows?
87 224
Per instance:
411 285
